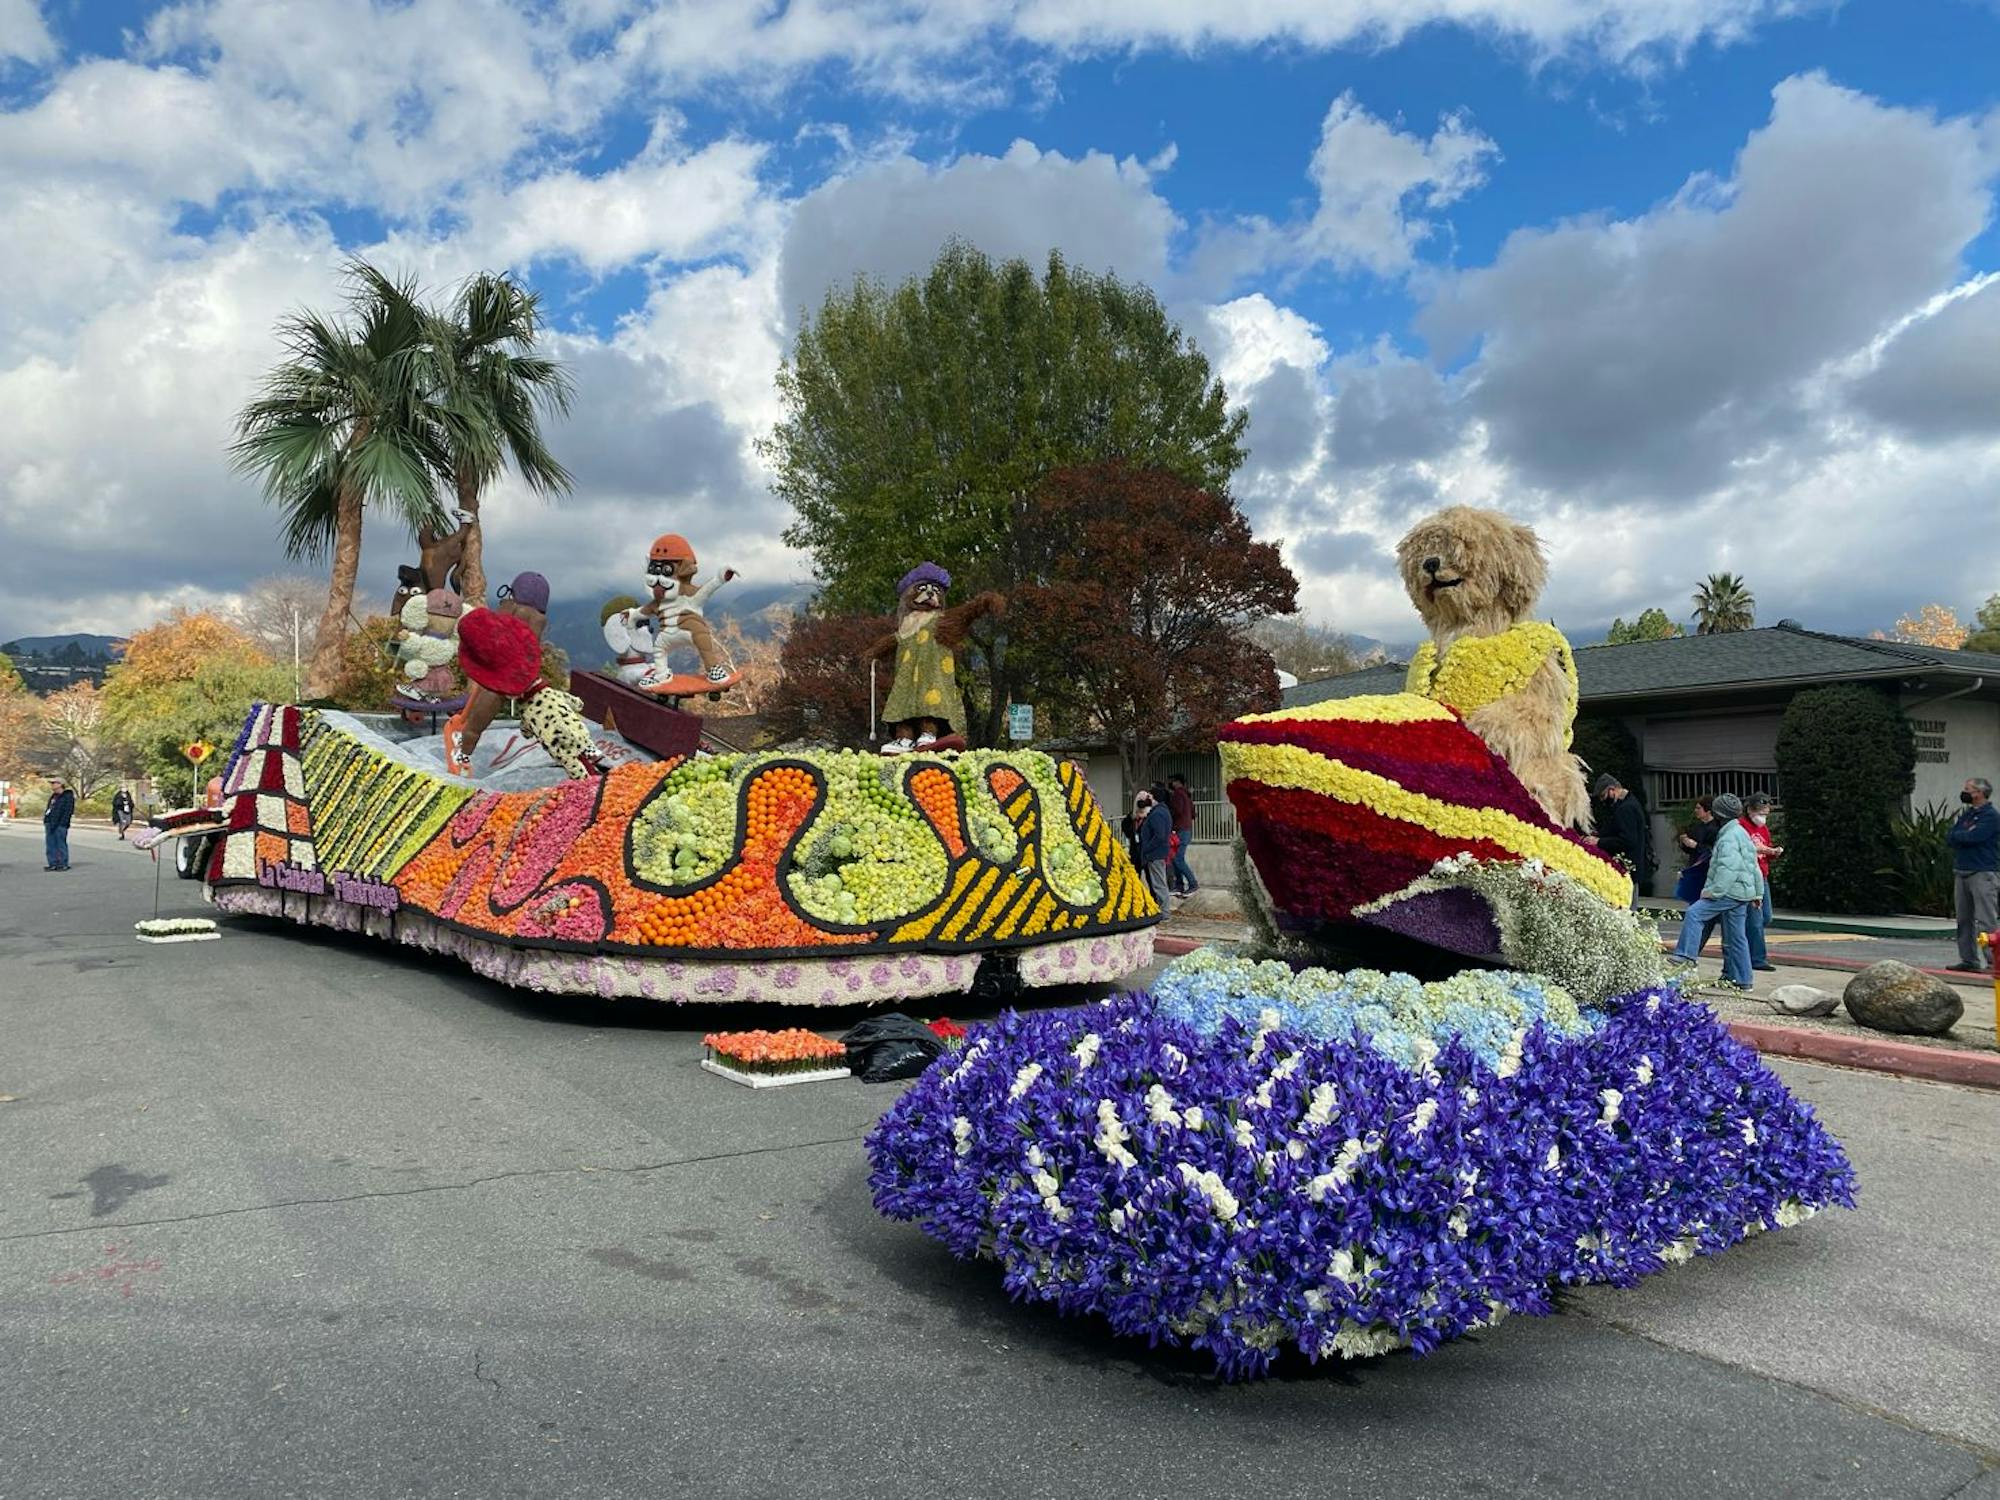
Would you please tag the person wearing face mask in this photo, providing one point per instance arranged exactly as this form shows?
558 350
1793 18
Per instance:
1757 823
1975 860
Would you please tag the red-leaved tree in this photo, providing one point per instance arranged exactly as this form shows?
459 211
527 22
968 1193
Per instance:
1141 630
821 691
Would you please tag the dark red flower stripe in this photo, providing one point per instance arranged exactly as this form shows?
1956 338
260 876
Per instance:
1437 758
1321 857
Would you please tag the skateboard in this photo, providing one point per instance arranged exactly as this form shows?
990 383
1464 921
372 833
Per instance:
690 685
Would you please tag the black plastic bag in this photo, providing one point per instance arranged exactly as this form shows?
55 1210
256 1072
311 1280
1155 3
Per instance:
884 1048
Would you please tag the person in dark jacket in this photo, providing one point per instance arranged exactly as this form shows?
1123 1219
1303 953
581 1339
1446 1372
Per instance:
1622 828
1180 803
1975 862
1696 845
1156 827
55 824
121 812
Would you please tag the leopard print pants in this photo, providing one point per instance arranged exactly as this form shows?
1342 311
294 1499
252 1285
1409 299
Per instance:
554 720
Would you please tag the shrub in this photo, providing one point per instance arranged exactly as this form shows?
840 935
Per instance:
1846 757
1923 859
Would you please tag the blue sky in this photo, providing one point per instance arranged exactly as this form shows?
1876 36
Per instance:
1687 283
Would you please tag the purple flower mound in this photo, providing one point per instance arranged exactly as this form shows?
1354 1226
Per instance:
1250 1188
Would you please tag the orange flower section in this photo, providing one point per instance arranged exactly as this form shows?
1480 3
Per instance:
743 907
936 791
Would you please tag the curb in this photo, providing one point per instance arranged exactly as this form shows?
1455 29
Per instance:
1789 960
1979 1070
1174 947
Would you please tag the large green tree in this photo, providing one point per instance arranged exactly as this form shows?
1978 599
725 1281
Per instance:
1722 603
920 421
1652 625
344 424
492 391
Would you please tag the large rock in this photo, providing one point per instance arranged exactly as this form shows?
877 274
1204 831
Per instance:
1892 996
1802 1000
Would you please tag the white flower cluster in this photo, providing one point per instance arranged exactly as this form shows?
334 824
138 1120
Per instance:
1024 1080
1085 1051
1112 1136
1342 1171
1211 1186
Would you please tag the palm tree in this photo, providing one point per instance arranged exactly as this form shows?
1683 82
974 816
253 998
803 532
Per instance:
1723 603
344 423
490 393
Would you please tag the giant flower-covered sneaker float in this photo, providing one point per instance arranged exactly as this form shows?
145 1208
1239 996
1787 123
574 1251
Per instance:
1251 1159
812 878
1388 811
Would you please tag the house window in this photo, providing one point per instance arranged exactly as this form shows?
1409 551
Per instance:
1679 788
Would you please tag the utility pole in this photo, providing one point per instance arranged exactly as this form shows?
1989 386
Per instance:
297 692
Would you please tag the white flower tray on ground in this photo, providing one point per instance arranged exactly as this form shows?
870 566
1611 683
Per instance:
773 1080
196 935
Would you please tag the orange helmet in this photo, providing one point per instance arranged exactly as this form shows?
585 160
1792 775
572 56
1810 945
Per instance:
671 548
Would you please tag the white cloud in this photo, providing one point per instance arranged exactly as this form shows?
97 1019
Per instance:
23 33
1369 178
1661 354
886 219
682 205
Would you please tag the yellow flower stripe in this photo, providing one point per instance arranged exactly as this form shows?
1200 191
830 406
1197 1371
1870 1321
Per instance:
1376 708
1291 766
1479 670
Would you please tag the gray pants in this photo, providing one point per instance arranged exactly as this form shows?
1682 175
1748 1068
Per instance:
1156 880
1978 911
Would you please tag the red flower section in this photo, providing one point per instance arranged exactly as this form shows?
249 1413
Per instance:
1321 858
946 1029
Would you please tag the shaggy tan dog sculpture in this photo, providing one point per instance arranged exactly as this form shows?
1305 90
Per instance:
1473 576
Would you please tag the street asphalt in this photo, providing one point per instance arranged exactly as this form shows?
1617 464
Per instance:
292 1215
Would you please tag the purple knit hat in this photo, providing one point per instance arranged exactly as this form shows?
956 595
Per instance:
923 572
530 589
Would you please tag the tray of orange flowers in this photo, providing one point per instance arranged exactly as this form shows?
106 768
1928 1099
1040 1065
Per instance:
771 1059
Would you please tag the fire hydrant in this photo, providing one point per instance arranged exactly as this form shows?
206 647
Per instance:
1989 943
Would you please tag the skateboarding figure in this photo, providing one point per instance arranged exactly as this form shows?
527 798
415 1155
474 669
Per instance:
671 616
925 709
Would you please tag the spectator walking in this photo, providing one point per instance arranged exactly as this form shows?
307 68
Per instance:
1156 829
1732 887
1975 861
1622 829
1180 804
1696 845
121 811
55 824
1757 823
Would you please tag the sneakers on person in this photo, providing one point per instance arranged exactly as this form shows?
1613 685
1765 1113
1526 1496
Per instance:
1968 968
1765 968
719 674
899 747
926 740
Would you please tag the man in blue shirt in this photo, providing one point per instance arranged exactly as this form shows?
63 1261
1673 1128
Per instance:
1156 827
1975 857
55 824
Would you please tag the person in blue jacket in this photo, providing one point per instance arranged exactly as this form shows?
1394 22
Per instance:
1156 827
55 824
1733 885
1975 862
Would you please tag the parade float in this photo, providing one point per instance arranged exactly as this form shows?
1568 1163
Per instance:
590 847
1291 1151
